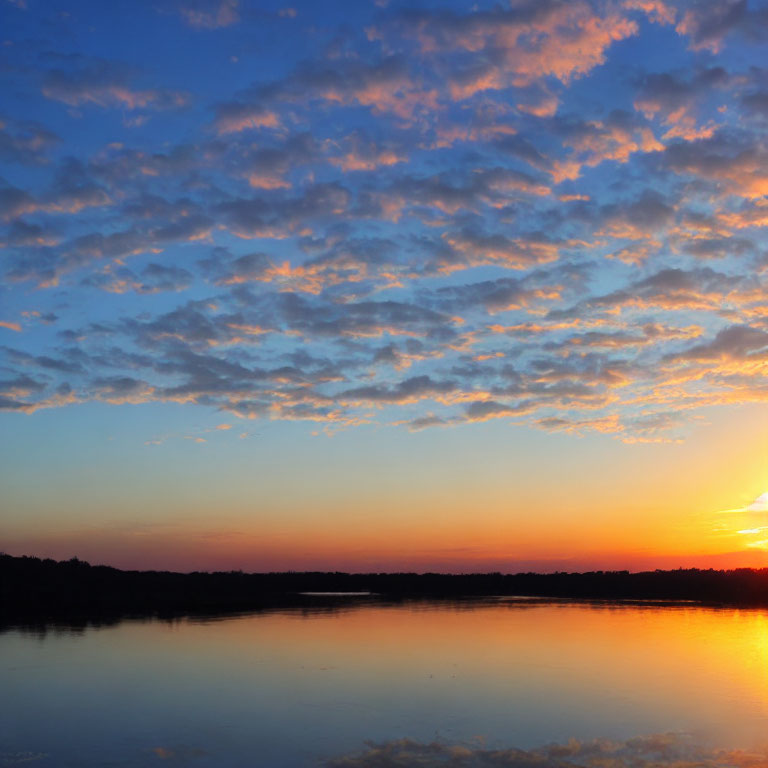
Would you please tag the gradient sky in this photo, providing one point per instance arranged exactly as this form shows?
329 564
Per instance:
369 285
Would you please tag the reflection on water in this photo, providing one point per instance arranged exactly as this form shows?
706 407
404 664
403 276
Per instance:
658 751
468 684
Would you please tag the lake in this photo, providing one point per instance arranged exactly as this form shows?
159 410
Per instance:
376 685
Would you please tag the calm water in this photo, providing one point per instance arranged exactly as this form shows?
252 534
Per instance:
297 690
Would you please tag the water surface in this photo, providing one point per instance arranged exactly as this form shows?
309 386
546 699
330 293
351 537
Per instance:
299 689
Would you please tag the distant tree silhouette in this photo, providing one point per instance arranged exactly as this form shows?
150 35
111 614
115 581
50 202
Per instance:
46 589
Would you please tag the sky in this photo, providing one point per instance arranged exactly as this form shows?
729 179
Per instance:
368 285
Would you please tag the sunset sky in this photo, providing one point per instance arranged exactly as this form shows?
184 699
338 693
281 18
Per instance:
370 285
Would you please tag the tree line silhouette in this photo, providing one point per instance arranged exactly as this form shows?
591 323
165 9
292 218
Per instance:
39 588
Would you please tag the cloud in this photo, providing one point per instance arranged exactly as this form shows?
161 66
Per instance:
642 218
233 117
642 752
494 296
668 289
25 141
154 278
450 193
48 264
518 45
430 218
657 10
359 153
423 422
706 24
615 138
474 248
735 342
648 334
269 217
210 14
385 86
735 164
105 84
21 233
755 102
67 196
674 100
410 390
484 410
265 167
760 505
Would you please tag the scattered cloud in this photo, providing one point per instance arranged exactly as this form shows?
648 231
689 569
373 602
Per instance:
436 217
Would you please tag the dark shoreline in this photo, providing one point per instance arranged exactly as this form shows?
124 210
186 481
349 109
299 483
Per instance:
35 592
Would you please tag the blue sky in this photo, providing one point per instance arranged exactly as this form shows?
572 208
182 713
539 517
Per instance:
223 221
